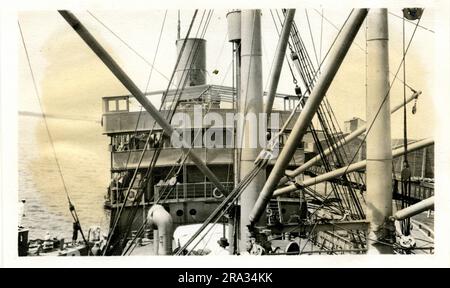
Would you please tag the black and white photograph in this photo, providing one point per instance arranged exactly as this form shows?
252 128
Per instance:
290 134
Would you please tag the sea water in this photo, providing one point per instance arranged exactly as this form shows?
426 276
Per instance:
81 150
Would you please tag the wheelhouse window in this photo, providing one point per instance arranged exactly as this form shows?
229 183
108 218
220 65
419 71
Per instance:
116 104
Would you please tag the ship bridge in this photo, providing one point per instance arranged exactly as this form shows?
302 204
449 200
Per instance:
128 128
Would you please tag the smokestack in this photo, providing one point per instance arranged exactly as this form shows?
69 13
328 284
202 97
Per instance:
192 65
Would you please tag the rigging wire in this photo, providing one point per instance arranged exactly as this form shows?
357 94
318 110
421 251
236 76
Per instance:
185 81
152 65
140 113
194 140
147 85
72 209
222 208
379 109
206 24
405 135
321 35
127 45
156 52
328 140
364 50
374 119
405 174
300 102
411 22
367 237
149 79
159 200
309 69
170 173
134 176
312 38
216 62
315 75
336 27
294 79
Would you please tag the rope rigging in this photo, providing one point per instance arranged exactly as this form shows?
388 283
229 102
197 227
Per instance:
325 115
406 172
350 203
411 22
161 139
321 35
260 163
361 48
294 79
368 130
147 85
302 72
144 182
224 206
127 44
381 105
73 212
312 38
161 200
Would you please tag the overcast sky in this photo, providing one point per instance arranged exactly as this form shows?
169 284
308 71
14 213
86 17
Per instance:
72 79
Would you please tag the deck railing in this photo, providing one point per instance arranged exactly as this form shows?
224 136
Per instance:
184 191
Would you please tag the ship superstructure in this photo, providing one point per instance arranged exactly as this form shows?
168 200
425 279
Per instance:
303 188
175 181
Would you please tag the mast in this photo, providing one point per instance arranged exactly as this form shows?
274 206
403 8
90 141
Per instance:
138 94
280 53
379 153
361 165
414 209
250 105
350 137
234 36
336 57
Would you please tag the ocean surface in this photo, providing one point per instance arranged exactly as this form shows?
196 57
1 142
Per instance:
82 153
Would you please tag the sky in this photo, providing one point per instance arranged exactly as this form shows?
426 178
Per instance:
72 80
